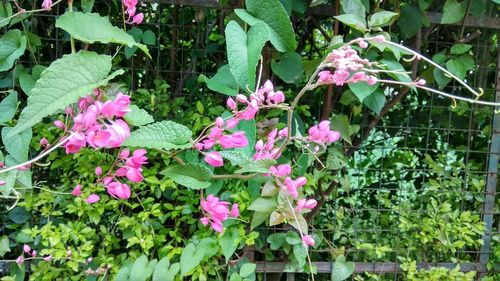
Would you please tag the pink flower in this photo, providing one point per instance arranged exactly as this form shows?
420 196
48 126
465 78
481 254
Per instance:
3 183
44 142
2 164
235 212
362 44
77 191
46 4
268 86
231 103
216 212
26 249
59 124
118 190
236 140
75 143
47 258
137 19
33 253
134 175
214 159
322 134
305 204
421 82
119 107
219 122
232 123
379 38
281 170
292 186
307 240
98 170
93 198
20 260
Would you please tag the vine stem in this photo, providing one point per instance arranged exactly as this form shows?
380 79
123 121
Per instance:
453 97
40 156
71 39
28 12
300 229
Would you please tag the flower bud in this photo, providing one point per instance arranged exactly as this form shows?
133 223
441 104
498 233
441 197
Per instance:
214 159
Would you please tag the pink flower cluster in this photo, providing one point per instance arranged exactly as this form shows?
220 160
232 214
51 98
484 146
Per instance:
321 133
291 186
216 212
133 18
98 123
308 204
131 168
264 96
267 150
307 241
346 61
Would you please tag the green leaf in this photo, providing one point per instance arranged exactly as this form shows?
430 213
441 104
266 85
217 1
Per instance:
161 270
138 116
276 240
293 238
459 49
341 269
353 7
194 176
247 269
8 107
382 18
222 82
87 5
19 215
276 218
258 166
91 28
301 225
27 82
258 218
340 123
375 101
410 20
210 246
353 21
149 37
142 269
4 245
467 61
300 254
124 272
10 180
265 205
288 66
237 158
63 83
5 12
274 15
164 135
362 89
453 11
243 51
190 258
17 146
456 67
229 242
12 46
172 272
441 79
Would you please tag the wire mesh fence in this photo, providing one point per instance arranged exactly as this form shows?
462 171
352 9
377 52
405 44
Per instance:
426 151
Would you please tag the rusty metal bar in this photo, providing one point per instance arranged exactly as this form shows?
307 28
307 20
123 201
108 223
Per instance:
491 182
376 267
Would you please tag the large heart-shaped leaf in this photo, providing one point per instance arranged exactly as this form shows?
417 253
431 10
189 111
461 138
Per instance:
164 135
142 269
453 11
12 46
17 145
194 176
190 258
288 66
91 28
274 15
243 51
63 83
